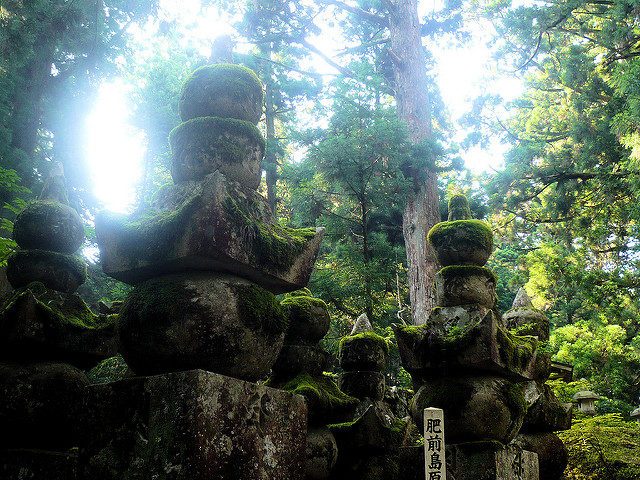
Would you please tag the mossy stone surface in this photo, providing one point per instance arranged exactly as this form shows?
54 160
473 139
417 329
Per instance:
308 318
459 208
215 322
39 323
205 144
476 408
326 403
57 271
222 90
40 404
363 351
295 359
465 284
46 225
461 242
322 453
363 384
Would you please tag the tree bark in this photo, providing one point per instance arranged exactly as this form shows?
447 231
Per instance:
421 209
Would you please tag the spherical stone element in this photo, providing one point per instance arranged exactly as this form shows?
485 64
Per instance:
364 351
206 144
476 408
57 271
308 319
222 90
361 384
461 285
295 359
322 453
214 322
49 226
39 405
461 242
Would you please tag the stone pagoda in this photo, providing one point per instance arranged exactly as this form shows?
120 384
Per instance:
545 413
206 257
47 335
465 361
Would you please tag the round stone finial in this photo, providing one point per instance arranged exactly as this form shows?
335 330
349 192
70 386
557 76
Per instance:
222 90
459 208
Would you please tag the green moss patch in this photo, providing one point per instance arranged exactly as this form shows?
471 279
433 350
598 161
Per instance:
152 236
459 208
273 246
602 448
109 370
303 292
223 79
473 232
218 135
467 270
515 351
321 393
370 338
258 306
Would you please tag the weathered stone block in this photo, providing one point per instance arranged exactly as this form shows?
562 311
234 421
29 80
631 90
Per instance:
39 405
462 242
38 323
361 384
216 322
22 464
213 225
491 461
308 318
476 408
363 351
463 339
206 144
322 453
192 425
552 453
295 359
49 226
222 90
546 413
58 271
527 321
461 285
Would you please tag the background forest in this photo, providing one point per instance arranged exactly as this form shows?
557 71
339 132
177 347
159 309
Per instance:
563 206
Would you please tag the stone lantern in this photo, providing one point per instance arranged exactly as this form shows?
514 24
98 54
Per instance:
586 401
635 415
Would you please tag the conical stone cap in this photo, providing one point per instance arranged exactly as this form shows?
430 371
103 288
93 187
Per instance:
362 325
522 300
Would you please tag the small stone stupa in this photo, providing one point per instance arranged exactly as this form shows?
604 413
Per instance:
206 257
47 335
465 361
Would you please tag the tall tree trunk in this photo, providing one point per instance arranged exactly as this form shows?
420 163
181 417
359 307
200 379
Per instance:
270 159
421 210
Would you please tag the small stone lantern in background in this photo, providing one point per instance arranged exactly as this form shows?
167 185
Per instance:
635 415
586 401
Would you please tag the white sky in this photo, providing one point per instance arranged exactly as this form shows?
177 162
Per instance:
116 150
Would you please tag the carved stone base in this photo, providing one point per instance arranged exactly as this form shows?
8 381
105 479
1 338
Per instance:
490 461
193 425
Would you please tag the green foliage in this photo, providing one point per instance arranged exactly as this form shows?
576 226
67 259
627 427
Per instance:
602 448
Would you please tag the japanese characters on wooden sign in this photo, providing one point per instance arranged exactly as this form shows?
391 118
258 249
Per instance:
434 461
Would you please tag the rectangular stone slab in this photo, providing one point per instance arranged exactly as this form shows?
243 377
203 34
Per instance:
465 338
491 461
192 425
211 225
23 464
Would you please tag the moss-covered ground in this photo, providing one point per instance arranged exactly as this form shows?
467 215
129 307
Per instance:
605 447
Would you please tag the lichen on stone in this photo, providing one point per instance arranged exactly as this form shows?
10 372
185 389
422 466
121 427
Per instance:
273 245
515 351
